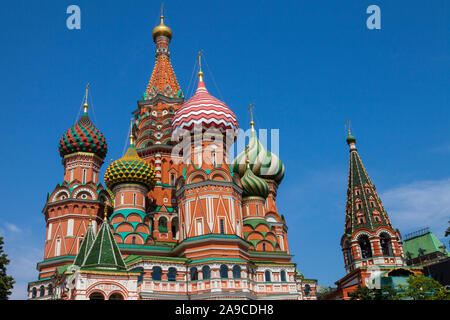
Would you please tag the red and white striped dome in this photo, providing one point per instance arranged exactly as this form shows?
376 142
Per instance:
205 111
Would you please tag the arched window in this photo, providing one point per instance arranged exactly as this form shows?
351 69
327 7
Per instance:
162 224
116 296
172 179
41 291
156 273
307 289
194 274
267 274
364 243
386 245
206 270
224 271
50 289
264 247
133 240
96 296
172 274
236 272
175 228
283 276
34 293
348 252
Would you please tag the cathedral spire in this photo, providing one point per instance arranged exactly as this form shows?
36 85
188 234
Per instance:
364 207
369 237
163 80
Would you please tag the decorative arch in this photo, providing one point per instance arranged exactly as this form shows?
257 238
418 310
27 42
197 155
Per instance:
87 190
59 193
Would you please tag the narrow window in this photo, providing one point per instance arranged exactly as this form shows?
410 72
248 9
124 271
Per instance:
222 226
58 247
70 228
236 272
172 179
133 240
257 210
199 227
283 276
121 198
214 159
84 176
134 198
224 271
156 273
267 274
172 274
206 270
194 274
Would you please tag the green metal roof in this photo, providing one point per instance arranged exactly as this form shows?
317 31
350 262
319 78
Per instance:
426 241
88 240
104 252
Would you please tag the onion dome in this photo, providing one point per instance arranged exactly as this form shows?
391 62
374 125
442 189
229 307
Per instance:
253 186
263 163
204 111
351 139
162 30
130 169
83 137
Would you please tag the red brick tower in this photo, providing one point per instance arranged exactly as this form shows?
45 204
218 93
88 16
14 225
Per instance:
78 198
152 128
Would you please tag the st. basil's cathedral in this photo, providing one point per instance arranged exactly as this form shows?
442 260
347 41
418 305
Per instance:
164 225
191 226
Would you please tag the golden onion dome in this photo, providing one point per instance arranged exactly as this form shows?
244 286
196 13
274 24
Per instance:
162 30
130 169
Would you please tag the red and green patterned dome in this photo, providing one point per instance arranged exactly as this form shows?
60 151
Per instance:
83 137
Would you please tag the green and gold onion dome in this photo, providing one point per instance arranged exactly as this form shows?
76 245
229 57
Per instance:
130 169
83 137
350 138
263 163
253 186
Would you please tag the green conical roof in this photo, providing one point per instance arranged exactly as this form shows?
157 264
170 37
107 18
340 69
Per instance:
362 199
86 244
104 253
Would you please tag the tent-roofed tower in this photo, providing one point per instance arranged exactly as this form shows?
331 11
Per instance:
104 252
152 128
369 237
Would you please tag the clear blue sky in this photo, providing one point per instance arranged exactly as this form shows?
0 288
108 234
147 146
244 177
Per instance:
306 65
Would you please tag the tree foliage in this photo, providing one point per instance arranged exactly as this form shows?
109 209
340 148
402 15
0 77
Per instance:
325 291
365 293
423 288
419 287
6 282
447 232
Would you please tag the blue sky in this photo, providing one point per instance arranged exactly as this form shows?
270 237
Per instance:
306 65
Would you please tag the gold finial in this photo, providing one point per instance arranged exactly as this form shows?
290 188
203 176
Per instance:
247 161
251 116
162 29
85 105
347 125
200 72
106 211
131 133
90 216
